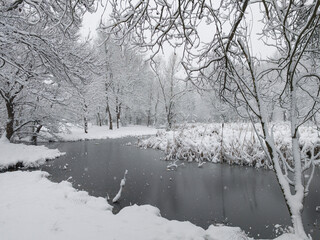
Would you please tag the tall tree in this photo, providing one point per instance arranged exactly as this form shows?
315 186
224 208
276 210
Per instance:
171 87
123 76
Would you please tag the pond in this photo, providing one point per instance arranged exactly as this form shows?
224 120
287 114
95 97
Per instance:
216 193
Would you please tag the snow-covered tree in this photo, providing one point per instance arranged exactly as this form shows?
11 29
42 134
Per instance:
34 35
172 89
121 86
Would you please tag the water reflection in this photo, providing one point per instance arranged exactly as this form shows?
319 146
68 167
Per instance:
238 196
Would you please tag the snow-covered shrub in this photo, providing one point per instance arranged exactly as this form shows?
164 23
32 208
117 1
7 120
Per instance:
233 143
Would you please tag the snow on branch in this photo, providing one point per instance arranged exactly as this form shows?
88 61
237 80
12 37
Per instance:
122 184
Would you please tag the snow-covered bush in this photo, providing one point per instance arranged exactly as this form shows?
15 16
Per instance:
234 143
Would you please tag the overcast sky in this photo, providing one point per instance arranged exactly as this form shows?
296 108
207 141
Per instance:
91 21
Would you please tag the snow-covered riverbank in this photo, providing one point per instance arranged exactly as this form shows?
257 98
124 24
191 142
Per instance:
12 155
235 143
34 208
24 155
102 132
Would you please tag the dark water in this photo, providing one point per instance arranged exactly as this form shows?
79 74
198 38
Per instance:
236 196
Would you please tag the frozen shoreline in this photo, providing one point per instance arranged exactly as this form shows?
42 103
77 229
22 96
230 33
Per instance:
40 208
13 155
103 132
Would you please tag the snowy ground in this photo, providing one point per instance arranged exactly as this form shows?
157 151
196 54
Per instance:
236 142
34 208
103 132
28 156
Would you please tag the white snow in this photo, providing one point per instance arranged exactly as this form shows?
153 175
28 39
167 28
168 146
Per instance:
288 236
238 142
103 132
122 184
28 155
34 208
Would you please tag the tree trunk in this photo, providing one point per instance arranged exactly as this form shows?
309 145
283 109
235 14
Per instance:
109 115
149 108
118 111
296 219
99 122
169 117
85 119
221 146
271 117
149 118
294 201
11 118
156 111
169 121
34 138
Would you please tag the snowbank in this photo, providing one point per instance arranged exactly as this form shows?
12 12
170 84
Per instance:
25 155
235 143
34 208
288 236
103 132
